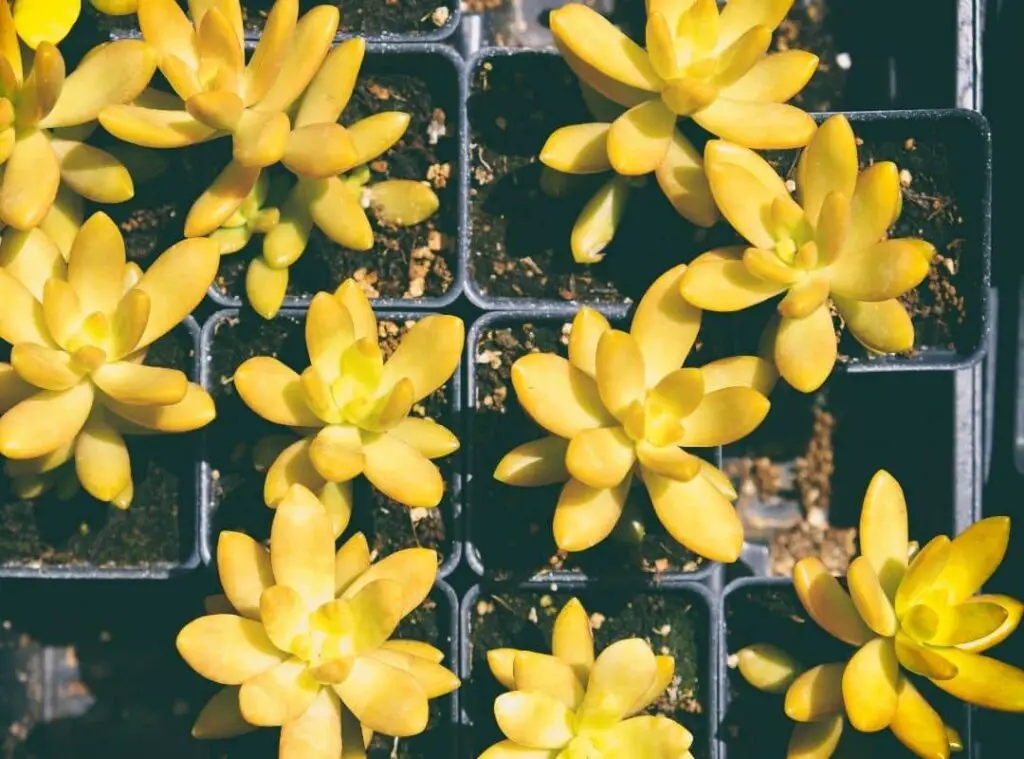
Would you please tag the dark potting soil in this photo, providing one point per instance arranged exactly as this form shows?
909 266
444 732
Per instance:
111 683
511 526
377 17
405 262
520 236
158 528
801 476
674 623
754 723
238 486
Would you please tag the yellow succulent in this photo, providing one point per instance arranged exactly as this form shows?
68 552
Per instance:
39 21
572 705
351 407
829 249
79 331
115 7
219 95
307 646
621 405
772 670
35 158
254 216
335 204
920 616
699 63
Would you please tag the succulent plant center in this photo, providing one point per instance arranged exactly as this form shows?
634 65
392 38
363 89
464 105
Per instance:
330 643
794 237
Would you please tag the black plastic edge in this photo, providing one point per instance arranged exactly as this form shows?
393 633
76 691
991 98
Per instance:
710 669
443 32
156 572
458 285
932 360
207 500
543 313
452 655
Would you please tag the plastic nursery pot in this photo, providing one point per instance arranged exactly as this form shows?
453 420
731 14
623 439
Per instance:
801 476
232 496
408 21
111 683
864 64
678 619
752 723
411 267
155 538
519 253
508 529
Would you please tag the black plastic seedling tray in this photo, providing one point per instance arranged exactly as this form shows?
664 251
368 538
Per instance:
292 321
923 55
189 513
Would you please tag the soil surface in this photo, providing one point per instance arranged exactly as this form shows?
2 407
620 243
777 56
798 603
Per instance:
156 531
111 683
801 476
238 486
511 526
754 723
674 623
520 235
376 17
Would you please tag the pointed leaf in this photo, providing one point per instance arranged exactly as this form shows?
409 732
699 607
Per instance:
584 516
227 649
401 472
805 349
332 87
816 694
827 603
175 283
154 128
697 515
243 566
883 326
44 422
761 126
302 546
828 164
336 210
384 698
30 181
683 181
595 226
639 138
313 36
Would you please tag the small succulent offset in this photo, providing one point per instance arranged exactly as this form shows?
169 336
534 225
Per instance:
218 95
829 249
79 331
253 217
570 704
35 158
333 197
307 645
39 21
920 616
621 405
351 407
